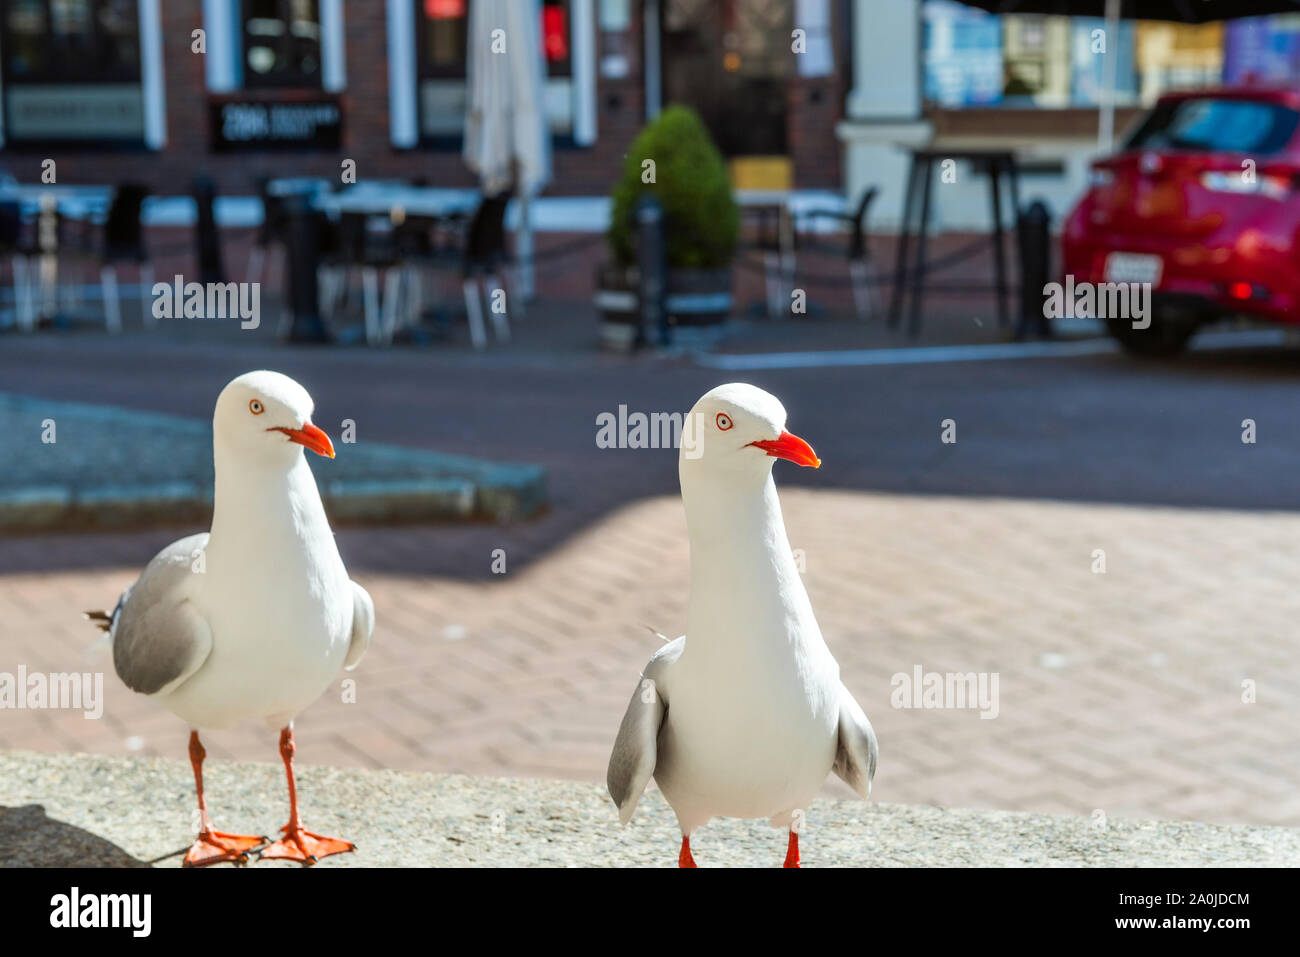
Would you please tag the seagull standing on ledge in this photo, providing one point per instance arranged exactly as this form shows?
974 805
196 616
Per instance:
256 619
745 714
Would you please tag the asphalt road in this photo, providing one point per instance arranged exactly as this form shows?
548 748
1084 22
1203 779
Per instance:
1088 428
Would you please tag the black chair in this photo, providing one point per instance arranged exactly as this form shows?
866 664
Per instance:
486 257
774 238
124 243
270 235
417 244
14 244
857 252
370 242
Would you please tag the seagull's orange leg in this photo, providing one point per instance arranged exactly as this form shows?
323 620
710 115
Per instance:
298 843
792 852
684 858
213 847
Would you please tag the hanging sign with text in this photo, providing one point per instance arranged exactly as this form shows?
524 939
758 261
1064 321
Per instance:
288 124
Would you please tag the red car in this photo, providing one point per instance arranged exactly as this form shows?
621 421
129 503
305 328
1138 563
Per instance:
1203 203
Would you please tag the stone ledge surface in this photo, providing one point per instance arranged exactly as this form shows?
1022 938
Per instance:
111 467
76 809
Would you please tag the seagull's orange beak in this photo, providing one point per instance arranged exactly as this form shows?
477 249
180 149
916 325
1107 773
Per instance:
309 437
792 448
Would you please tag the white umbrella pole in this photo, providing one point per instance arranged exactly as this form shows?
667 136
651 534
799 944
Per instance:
1110 75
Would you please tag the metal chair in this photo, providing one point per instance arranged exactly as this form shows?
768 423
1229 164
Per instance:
124 243
270 235
13 244
369 241
486 256
857 252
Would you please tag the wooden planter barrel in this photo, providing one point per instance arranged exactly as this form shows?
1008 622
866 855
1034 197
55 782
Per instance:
697 299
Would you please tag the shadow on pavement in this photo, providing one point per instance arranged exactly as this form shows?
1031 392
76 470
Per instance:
29 838
1105 428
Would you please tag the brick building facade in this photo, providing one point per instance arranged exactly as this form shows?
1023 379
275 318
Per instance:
182 87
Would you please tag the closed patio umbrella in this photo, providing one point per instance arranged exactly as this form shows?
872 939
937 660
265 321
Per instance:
1178 11
507 139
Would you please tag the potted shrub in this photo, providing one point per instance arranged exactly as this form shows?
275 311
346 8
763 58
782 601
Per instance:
689 179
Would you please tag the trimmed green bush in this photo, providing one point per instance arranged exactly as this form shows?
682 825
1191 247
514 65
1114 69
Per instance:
691 184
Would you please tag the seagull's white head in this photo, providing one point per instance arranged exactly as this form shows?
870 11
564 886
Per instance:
264 416
740 428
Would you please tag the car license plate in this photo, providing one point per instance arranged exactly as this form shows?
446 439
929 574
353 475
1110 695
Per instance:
1133 267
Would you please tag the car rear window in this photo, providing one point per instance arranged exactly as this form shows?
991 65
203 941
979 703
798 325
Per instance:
1228 126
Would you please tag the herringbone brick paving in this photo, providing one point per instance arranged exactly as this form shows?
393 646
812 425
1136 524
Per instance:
1119 691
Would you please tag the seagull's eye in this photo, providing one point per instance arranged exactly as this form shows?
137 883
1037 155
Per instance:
256 407
724 421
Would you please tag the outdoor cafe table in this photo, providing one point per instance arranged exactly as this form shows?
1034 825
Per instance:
992 163
385 198
73 202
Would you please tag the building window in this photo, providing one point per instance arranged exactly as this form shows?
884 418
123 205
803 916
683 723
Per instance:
72 72
442 27
282 43
270 44
71 41
974 59
556 46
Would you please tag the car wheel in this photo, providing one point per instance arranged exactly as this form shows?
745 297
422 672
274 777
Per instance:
1167 335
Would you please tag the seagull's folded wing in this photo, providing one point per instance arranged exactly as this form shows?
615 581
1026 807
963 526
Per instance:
855 755
363 626
636 749
159 638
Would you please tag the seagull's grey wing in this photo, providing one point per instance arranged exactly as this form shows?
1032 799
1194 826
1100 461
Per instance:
636 749
363 626
159 638
855 756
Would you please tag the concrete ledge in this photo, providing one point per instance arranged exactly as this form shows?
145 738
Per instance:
61 809
112 468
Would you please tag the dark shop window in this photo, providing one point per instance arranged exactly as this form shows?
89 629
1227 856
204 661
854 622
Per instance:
282 43
71 41
441 28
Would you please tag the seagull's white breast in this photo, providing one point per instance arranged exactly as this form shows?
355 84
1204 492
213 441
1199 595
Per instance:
753 701
278 600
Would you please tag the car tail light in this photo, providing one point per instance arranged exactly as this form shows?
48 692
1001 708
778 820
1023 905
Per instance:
1272 185
1243 290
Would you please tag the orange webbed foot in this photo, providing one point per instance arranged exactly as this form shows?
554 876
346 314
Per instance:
218 847
303 846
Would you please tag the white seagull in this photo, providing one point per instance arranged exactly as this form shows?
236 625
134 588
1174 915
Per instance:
256 619
745 714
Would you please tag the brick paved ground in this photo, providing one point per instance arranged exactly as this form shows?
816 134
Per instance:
1118 691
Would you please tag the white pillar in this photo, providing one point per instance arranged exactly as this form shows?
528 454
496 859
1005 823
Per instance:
1110 71
221 62
652 59
151 75
404 125
584 72
884 107
333 47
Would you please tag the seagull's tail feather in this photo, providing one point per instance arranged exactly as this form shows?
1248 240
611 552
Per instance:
104 621
658 634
